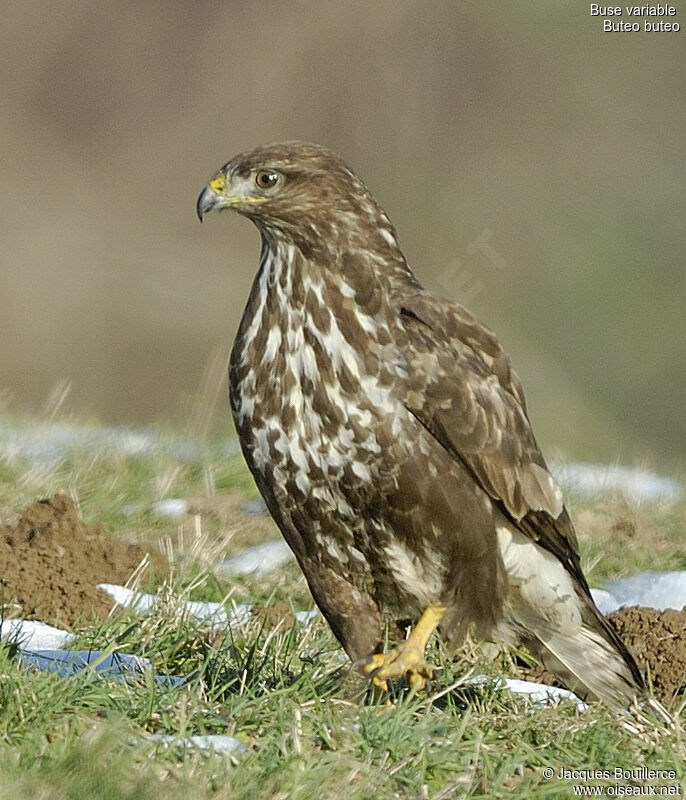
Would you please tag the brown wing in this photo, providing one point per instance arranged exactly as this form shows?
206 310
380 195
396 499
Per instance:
464 391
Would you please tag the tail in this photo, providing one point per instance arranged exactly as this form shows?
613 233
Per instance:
549 608
592 661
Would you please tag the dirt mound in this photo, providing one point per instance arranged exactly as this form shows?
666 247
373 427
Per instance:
51 562
657 640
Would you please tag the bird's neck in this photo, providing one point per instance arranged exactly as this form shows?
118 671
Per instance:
302 304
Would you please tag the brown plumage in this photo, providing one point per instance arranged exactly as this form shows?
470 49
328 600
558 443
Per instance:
388 435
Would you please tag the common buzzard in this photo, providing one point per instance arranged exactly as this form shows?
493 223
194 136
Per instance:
388 435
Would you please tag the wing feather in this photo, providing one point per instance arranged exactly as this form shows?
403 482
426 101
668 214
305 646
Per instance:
464 391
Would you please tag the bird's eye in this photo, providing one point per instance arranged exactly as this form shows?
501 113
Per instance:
266 179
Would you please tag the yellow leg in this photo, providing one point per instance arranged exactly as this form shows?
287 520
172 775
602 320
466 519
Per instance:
408 658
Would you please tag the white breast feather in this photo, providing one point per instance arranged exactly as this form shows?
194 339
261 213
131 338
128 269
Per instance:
421 578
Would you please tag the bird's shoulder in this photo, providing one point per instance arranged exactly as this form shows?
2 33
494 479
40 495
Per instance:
452 332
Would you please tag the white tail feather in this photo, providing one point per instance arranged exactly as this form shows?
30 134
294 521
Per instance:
589 664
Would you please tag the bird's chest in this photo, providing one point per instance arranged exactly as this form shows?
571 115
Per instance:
315 392
309 412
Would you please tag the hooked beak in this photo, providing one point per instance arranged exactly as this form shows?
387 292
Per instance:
212 197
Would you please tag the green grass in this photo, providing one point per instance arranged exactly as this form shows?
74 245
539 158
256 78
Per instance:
312 728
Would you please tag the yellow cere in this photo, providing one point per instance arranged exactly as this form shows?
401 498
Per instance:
218 184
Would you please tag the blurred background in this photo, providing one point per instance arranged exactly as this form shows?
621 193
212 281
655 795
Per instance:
533 165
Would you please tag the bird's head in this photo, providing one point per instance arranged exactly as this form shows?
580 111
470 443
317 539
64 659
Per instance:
294 190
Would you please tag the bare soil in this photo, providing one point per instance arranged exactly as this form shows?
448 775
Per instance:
51 562
657 640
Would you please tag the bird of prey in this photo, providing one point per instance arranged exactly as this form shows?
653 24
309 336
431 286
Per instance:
388 434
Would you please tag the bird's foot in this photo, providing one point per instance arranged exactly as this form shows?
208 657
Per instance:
408 658
407 661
